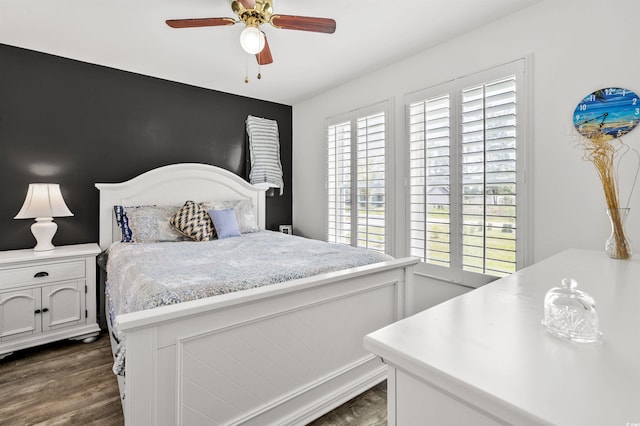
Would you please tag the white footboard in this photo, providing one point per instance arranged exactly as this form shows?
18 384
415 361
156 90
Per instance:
282 354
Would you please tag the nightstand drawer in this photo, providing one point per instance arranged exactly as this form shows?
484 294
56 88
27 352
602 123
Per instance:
43 273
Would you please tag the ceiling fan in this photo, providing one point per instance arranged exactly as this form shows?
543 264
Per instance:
254 13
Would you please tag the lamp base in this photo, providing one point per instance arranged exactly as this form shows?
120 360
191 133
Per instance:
43 230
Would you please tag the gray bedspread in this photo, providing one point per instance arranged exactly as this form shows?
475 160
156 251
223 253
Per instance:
145 276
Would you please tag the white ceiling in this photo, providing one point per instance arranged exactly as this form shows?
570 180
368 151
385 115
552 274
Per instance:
132 36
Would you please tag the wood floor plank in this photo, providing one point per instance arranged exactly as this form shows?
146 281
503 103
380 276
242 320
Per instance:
366 409
64 383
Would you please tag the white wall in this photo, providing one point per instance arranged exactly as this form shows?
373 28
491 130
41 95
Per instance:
574 47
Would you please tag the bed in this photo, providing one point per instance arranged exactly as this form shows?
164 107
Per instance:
280 354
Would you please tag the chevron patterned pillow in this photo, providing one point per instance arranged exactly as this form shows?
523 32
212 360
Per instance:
193 221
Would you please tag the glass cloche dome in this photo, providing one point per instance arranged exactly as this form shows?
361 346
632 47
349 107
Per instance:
570 313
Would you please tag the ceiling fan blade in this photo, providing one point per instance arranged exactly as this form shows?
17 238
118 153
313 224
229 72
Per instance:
264 56
304 23
199 22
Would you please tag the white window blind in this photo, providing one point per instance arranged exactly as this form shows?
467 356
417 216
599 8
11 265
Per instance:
489 177
429 198
370 183
339 183
357 201
464 178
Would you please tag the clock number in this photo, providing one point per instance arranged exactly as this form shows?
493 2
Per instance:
592 97
610 91
637 111
624 92
619 133
634 101
583 107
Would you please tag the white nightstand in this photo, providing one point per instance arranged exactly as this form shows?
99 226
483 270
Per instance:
47 296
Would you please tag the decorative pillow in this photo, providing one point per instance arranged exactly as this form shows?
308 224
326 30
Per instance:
147 224
123 223
243 210
225 223
193 221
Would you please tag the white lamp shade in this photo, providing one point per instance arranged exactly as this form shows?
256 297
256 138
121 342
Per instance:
252 40
43 200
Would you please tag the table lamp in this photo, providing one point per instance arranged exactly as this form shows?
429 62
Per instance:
43 202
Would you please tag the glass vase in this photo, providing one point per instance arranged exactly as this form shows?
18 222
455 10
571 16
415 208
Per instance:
617 245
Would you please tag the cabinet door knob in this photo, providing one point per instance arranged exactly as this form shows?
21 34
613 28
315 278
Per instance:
37 311
45 310
41 274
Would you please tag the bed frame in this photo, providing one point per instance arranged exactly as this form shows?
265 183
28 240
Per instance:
283 354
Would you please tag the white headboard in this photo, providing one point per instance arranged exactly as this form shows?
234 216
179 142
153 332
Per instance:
173 185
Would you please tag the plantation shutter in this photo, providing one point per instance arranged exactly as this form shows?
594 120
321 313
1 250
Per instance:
488 131
371 182
339 183
429 183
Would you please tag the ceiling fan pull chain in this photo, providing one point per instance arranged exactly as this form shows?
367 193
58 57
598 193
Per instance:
246 71
259 73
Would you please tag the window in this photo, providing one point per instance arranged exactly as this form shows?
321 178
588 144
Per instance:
356 178
466 164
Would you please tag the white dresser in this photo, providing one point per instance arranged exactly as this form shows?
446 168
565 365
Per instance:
47 296
484 358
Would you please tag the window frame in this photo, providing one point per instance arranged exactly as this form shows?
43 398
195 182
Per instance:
453 88
385 107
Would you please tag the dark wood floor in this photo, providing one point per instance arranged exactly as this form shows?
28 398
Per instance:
367 409
71 383
64 383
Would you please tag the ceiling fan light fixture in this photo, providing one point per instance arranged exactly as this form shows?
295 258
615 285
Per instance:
252 40
253 14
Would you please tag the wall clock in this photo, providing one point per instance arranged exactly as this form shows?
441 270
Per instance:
611 111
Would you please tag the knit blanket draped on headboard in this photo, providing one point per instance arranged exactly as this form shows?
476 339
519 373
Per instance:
264 147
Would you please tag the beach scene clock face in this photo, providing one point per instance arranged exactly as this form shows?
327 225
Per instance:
611 112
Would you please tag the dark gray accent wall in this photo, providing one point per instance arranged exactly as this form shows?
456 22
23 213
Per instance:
76 124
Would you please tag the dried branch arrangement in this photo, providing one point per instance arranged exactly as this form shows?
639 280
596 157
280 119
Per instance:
605 154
